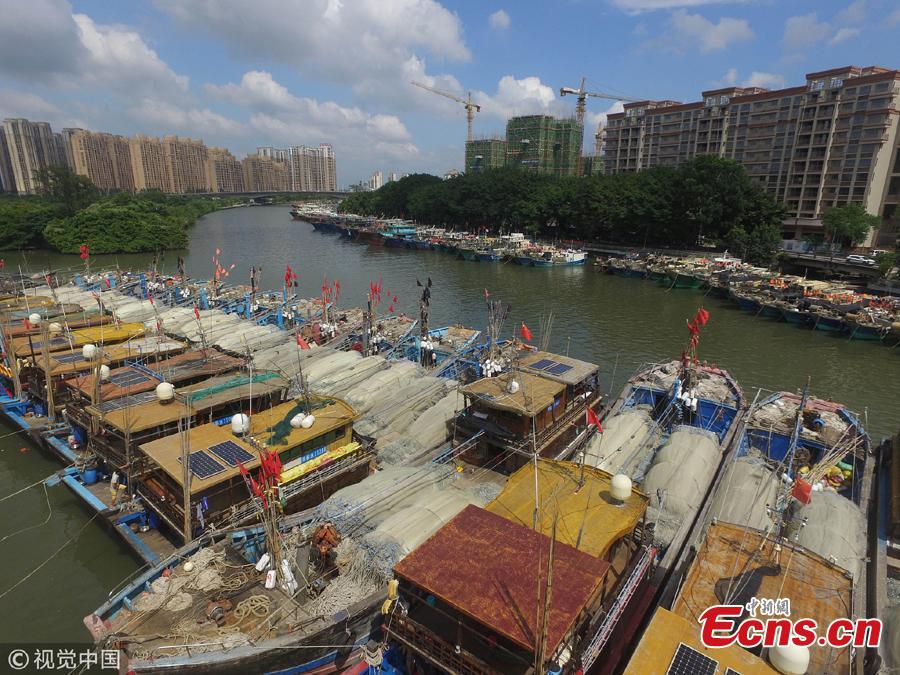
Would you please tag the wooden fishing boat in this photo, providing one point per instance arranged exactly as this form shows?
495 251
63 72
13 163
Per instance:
826 320
685 278
802 469
794 314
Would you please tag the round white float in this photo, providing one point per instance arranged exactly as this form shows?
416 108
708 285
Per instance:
620 487
89 351
790 659
165 392
240 424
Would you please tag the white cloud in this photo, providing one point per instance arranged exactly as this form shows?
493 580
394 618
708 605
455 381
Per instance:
120 59
730 78
38 40
638 6
163 117
592 119
525 96
844 34
853 14
764 80
687 31
25 104
804 31
368 44
280 117
499 20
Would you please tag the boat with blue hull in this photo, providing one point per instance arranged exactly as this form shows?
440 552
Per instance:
795 315
828 322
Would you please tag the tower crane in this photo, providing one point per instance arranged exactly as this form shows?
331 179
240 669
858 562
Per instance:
471 108
580 105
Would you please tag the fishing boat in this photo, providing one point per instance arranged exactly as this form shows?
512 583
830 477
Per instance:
685 277
569 257
801 472
220 604
867 326
489 254
771 309
626 268
746 301
794 313
827 320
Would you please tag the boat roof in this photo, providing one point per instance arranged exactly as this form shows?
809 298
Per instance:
71 360
587 518
133 379
817 588
668 634
103 334
556 367
535 393
135 414
269 427
499 590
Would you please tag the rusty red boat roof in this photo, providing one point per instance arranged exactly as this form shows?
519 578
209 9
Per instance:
487 567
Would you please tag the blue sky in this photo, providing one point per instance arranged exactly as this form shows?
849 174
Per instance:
243 73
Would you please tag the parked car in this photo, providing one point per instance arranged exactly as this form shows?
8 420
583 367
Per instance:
855 259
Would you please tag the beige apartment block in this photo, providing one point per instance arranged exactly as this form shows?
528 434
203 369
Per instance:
31 147
262 174
225 172
831 141
186 160
104 158
312 169
148 163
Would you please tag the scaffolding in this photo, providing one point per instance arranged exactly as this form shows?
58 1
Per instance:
544 144
483 154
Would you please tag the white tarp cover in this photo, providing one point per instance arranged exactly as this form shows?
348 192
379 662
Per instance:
747 486
627 440
835 529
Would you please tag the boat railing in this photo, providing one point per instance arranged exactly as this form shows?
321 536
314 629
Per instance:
434 648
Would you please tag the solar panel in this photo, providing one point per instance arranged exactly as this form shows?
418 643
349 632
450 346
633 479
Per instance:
69 358
203 466
128 378
732 671
688 661
541 364
126 401
230 452
557 369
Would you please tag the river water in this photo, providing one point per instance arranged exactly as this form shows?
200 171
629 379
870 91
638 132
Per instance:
617 323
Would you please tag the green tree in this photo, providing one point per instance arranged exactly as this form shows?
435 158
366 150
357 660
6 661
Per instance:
61 185
22 219
848 223
886 262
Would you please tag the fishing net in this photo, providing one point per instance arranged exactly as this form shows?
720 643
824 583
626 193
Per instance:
428 431
366 394
835 529
239 381
678 479
342 381
745 491
628 439
399 407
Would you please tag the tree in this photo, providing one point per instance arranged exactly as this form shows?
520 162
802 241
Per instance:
22 219
62 186
886 262
848 222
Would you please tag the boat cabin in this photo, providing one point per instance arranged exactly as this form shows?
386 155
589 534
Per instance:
536 409
125 423
316 461
462 620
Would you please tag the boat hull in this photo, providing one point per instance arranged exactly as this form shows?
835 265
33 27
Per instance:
872 333
795 316
686 281
829 324
747 304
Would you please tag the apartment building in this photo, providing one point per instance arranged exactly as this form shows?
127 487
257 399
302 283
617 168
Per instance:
148 163
264 174
830 141
7 181
31 146
186 160
104 158
277 154
312 169
225 172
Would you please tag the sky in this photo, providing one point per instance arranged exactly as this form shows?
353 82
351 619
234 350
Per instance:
248 73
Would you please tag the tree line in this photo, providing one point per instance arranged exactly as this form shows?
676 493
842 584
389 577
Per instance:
707 200
69 211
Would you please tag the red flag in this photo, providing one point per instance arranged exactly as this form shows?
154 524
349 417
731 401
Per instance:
525 333
243 469
391 308
196 312
27 324
288 275
108 285
702 317
802 491
395 298
593 419
301 342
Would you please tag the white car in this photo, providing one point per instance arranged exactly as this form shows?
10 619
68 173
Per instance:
859 260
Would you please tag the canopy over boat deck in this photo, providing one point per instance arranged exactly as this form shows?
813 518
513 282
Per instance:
534 395
108 334
139 413
557 367
271 428
72 361
490 569
588 519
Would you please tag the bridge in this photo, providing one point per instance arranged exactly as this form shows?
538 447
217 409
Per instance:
836 265
255 196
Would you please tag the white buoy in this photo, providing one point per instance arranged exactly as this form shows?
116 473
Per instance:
34 319
308 421
89 351
240 424
297 420
262 563
790 659
513 387
104 373
271 577
620 487
165 392
54 329
189 566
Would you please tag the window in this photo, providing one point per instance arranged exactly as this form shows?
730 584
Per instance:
882 86
723 100
710 101
836 82
817 85
864 91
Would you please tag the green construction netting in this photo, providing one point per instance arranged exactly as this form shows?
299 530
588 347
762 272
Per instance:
239 381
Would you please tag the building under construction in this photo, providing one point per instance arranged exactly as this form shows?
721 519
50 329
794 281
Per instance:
485 153
534 142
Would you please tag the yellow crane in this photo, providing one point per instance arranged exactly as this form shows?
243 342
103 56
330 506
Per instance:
471 108
580 105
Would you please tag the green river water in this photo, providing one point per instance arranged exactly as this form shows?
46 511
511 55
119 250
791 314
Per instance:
617 323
